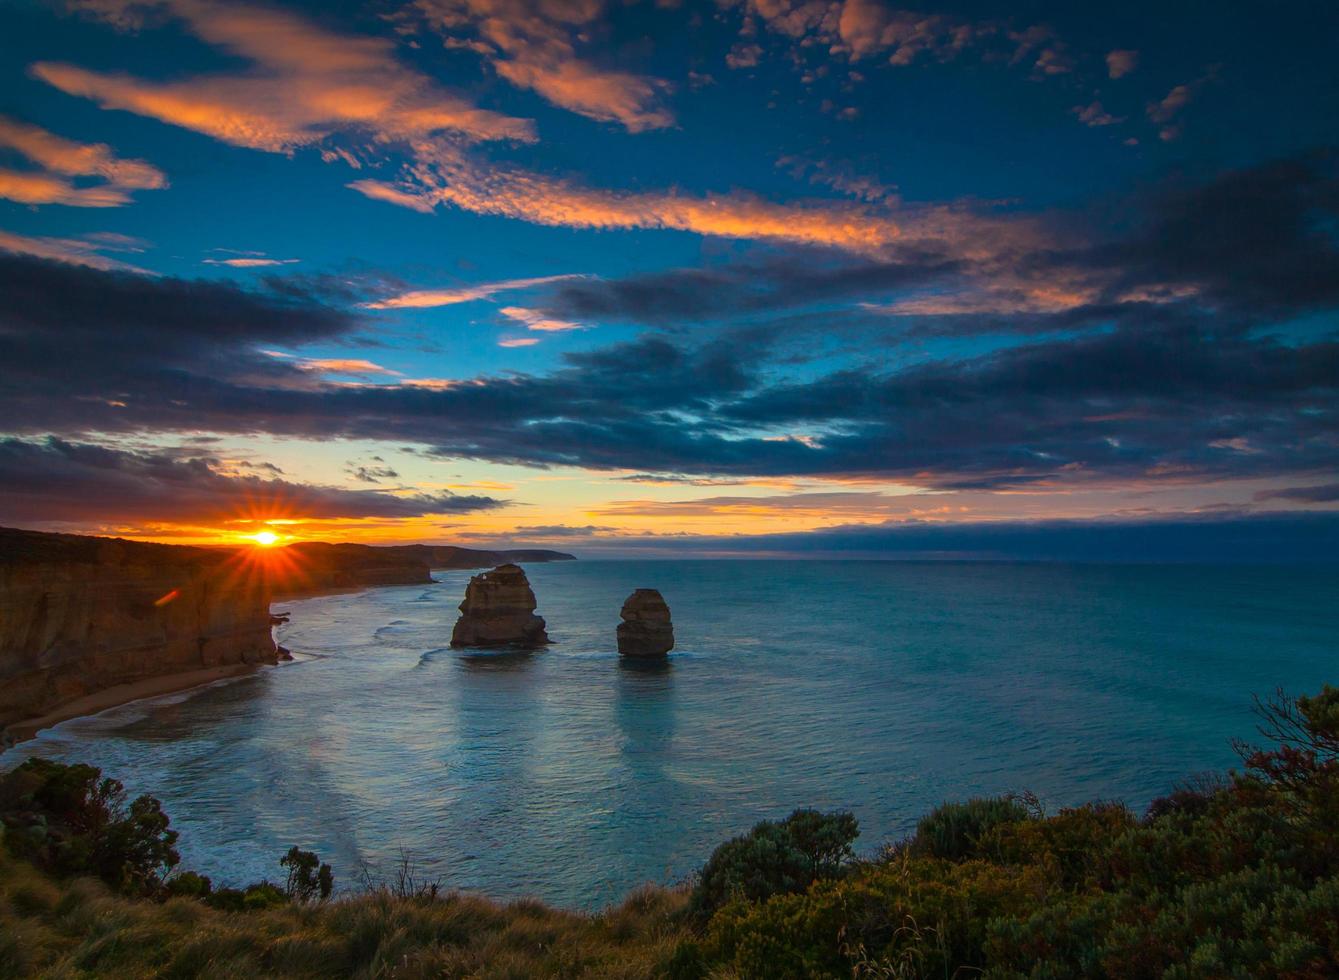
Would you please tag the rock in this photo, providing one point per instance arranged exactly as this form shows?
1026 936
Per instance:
646 630
499 610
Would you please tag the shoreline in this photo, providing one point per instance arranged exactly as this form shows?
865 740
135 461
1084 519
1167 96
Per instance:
118 696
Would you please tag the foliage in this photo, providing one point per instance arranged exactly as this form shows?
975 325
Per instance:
1235 877
954 830
71 821
307 876
776 858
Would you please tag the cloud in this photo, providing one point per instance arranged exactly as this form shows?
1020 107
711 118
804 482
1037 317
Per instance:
1121 62
1094 115
518 342
531 43
427 298
535 320
1166 112
457 180
372 474
306 87
1173 363
249 260
61 160
866 29
86 250
870 27
1326 493
560 531
344 365
59 481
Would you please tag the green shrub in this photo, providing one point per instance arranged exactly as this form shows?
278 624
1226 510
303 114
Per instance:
69 820
776 858
954 830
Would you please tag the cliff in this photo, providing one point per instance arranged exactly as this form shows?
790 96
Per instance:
449 556
314 566
317 566
79 615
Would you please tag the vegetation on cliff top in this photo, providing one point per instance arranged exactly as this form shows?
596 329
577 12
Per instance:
1235 876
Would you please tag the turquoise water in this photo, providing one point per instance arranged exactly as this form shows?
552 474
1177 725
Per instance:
883 688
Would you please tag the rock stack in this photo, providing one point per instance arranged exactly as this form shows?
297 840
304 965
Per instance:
646 630
499 610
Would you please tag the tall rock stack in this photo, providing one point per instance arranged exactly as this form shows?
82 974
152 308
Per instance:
646 630
499 610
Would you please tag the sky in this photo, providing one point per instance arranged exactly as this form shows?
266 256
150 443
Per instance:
669 278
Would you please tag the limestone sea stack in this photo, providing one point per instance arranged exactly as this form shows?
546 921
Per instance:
646 630
499 611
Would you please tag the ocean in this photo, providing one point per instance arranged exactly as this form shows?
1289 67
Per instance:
883 688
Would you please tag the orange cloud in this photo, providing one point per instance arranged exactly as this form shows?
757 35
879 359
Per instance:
61 159
344 365
454 179
531 45
423 298
1120 63
306 85
535 320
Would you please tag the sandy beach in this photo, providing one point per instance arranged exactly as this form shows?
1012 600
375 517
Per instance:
113 697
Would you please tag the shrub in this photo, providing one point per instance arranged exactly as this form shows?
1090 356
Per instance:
954 830
188 884
69 820
776 858
307 876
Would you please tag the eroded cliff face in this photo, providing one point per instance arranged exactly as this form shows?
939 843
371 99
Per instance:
79 615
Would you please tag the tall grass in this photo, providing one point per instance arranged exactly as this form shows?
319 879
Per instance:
80 928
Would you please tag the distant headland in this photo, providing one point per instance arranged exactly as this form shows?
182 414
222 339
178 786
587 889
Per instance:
87 623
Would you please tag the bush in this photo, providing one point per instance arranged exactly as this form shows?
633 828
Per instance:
307 876
954 830
69 820
776 858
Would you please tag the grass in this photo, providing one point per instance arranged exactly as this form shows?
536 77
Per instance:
79 928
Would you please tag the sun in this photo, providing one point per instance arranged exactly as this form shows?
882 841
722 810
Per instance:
266 539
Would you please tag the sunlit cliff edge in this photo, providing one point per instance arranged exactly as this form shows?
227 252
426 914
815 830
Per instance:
87 623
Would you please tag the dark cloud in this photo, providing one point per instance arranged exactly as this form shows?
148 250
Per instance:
1260 241
1323 494
61 481
1177 389
790 279
372 474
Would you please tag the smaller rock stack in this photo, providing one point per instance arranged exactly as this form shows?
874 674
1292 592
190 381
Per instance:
646 630
499 610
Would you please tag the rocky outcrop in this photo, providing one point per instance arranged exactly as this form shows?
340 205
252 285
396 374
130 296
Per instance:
498 611
79 615
646 630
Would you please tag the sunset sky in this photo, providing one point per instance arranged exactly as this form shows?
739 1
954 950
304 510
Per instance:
664 277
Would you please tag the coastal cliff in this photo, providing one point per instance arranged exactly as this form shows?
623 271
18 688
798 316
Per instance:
87 623
449 556
80 615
